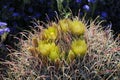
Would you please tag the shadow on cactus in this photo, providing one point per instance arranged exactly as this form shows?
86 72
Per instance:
66 50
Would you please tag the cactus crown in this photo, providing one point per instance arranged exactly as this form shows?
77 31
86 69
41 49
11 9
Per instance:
62 40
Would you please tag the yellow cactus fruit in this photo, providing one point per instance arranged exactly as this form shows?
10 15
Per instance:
63 25
79 47
35 42
54 53
71 56
76 27
44 48
50 33
54 56
33 51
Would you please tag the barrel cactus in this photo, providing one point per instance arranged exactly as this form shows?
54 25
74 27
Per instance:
67 49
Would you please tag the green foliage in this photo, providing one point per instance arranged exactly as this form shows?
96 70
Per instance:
63 11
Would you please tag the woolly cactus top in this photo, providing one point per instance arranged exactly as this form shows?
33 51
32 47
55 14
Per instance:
62 40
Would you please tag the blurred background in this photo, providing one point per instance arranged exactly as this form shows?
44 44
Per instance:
18 15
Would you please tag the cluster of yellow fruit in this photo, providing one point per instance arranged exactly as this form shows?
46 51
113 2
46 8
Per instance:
49 44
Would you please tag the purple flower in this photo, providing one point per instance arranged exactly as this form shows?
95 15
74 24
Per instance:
37 15
4 30
5 6
30 9
81 13
41 1
1 31
15 23
91 1
104 15
11 9
13 30
86 7
26 18
15 14
78 1
49 3
3 24
7 30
